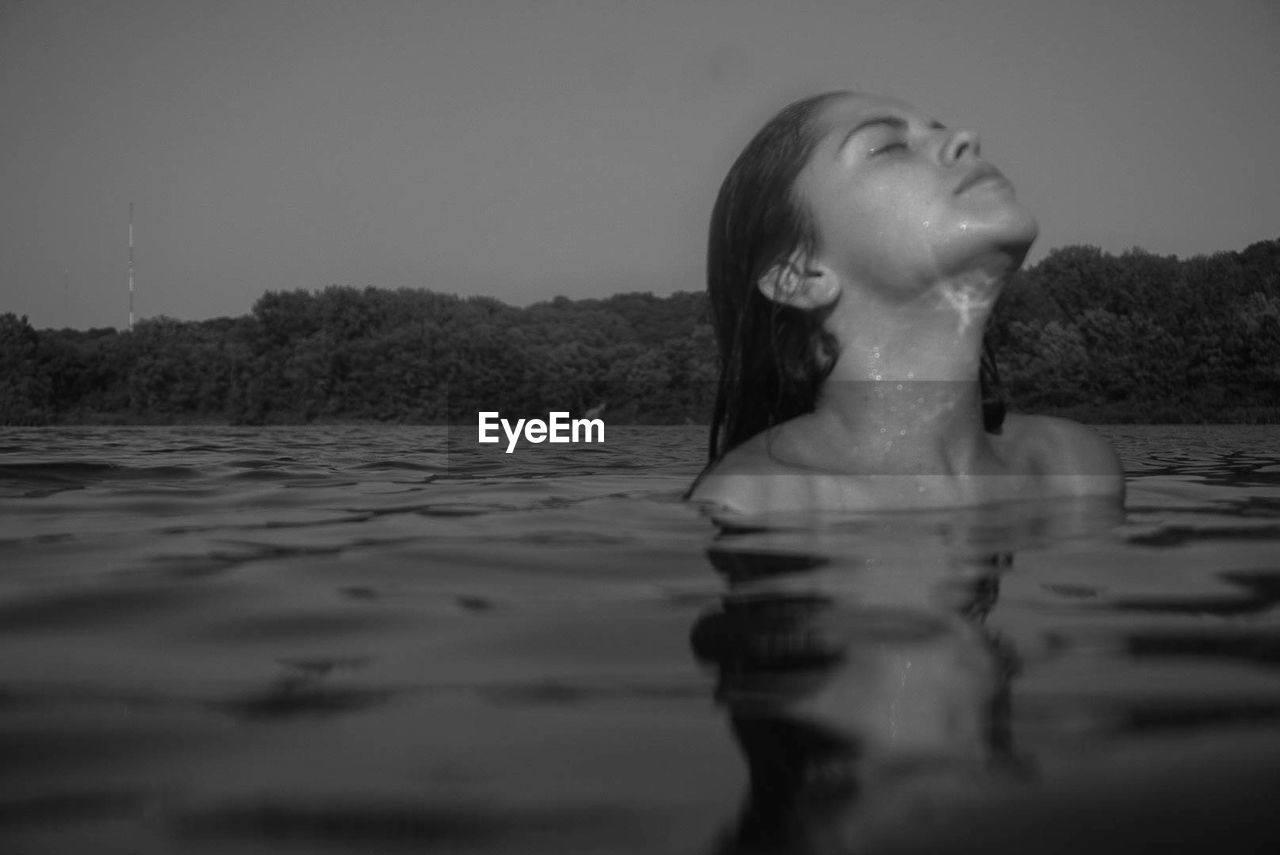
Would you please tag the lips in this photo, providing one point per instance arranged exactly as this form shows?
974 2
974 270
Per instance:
982 173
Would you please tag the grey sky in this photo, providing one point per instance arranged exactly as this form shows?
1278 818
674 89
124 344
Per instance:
529 148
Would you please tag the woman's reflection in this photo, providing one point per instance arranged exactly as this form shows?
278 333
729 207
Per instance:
863 693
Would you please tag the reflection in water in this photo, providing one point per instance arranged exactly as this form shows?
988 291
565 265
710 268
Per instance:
869 681
861 691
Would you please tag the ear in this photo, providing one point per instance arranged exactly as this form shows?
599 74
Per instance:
800 282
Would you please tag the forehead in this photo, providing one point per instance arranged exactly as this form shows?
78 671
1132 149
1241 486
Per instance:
849 110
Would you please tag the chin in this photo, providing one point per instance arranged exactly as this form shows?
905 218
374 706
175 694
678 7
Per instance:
1019 238
997 244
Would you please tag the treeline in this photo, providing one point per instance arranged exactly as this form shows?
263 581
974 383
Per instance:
348 354
1142 338
1129 338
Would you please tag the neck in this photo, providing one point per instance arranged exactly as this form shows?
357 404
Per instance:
904 393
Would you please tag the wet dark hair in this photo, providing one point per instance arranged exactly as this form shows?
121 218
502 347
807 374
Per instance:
774 358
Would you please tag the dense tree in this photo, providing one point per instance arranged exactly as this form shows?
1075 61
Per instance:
24 383
1133 337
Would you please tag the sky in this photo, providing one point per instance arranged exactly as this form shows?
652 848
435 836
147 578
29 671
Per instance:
524 150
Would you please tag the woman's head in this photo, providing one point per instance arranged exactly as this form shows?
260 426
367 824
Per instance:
839 192
900 202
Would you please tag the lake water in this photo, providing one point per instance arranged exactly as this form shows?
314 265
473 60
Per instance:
353 639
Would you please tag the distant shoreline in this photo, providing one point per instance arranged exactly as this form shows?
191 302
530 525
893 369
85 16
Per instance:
1102 339
1088 415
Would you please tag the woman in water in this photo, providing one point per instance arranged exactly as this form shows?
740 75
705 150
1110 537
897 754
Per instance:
857 248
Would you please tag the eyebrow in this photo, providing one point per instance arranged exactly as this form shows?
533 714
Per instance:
895 122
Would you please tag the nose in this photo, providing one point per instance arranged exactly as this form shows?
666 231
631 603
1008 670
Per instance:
960 144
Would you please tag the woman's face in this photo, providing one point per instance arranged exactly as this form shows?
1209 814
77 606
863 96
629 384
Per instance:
900 200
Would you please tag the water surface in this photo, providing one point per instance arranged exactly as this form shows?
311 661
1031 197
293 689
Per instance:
355 639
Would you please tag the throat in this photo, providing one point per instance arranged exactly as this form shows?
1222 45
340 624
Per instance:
971 303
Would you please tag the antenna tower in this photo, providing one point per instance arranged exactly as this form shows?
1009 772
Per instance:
130 267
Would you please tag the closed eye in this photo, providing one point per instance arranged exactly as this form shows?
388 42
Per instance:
896 145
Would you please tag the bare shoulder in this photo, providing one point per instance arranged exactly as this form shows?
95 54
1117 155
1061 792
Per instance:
1056 457
733 483
1066 452
752 480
